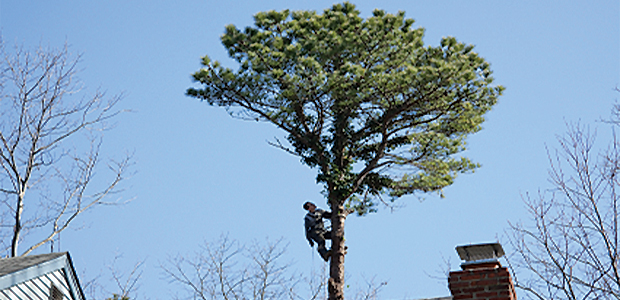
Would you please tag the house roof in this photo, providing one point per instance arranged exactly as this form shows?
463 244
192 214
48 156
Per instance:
14 264
16 270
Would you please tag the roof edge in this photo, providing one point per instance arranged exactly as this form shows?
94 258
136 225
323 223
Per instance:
62 262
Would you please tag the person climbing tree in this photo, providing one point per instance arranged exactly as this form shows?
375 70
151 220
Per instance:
315 229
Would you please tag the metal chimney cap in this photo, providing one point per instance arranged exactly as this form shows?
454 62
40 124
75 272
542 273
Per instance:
478 252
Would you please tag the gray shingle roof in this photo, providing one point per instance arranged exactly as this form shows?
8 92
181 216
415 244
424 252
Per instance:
14 264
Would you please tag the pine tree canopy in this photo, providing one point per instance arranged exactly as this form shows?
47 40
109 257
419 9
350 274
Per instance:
363 100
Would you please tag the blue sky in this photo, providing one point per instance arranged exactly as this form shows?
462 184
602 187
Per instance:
200 173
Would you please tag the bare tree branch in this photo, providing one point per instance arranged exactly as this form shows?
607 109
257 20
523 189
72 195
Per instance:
571 250
42 127
226 270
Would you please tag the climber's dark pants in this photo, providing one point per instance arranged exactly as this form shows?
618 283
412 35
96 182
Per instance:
319 237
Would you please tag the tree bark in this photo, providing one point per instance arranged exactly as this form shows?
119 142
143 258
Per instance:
18 223
19 209
335 284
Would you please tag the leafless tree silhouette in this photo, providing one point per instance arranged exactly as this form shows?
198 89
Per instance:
50 140
571 250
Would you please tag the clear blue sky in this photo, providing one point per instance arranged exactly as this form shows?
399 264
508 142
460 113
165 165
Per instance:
200 173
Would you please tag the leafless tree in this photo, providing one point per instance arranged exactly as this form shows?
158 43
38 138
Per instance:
50 140
125 282
371 289
226 270
571 249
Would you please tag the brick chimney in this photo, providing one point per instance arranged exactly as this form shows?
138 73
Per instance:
482 276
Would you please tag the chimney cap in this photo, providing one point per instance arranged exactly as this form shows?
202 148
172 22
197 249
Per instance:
478 252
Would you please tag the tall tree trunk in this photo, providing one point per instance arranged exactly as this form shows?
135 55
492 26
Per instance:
335 285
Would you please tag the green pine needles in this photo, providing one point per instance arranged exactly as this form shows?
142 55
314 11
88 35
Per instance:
364 101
